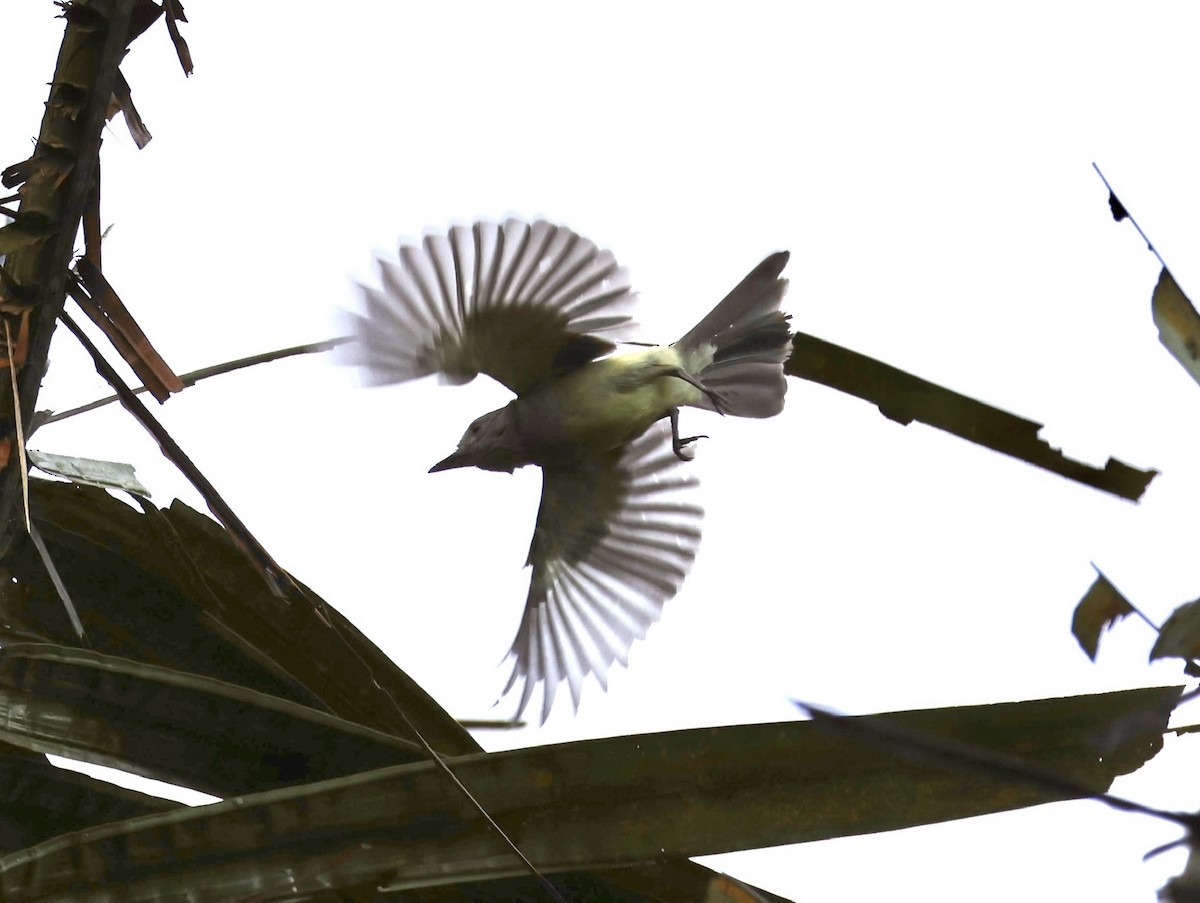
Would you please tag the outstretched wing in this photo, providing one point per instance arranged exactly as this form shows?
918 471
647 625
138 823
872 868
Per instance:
515 301
614 539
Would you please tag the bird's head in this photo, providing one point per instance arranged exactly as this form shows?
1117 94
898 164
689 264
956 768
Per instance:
490 443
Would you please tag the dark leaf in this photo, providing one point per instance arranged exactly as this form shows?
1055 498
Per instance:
1179 636
175 727
904 398
168 587
21 236
592 805
665 881
174 10
1101 607
123 99
38 800
144 14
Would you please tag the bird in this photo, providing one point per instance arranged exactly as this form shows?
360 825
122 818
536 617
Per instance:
547 313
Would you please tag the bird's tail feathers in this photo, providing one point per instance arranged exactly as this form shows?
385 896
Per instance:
739 348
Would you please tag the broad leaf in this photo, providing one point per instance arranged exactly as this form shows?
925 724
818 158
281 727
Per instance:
38 800
180 728
593 805
168 587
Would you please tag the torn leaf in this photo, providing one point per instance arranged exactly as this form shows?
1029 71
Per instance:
902 397
122 100
100 301
89 471
1178 323
174 10
1101 607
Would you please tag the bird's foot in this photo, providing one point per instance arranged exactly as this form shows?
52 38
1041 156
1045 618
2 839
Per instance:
682 452
679 445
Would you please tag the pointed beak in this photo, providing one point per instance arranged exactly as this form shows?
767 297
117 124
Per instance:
458 459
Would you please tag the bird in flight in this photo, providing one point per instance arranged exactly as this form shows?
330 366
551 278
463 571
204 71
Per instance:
546 313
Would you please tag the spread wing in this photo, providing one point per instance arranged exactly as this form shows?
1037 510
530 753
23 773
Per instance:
516 301
614 538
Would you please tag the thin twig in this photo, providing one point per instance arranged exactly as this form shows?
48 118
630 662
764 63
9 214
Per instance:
1137 611
1166 848
1129 216
441 763
195 376
21 456
59 586
275 576
47 561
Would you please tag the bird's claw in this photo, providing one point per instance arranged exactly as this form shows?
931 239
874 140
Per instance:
679 444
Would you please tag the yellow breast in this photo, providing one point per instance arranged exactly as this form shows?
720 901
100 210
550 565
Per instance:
614 400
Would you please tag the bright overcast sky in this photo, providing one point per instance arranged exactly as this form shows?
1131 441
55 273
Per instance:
929 167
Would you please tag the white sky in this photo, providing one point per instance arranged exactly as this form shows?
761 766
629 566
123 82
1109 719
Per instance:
929 167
